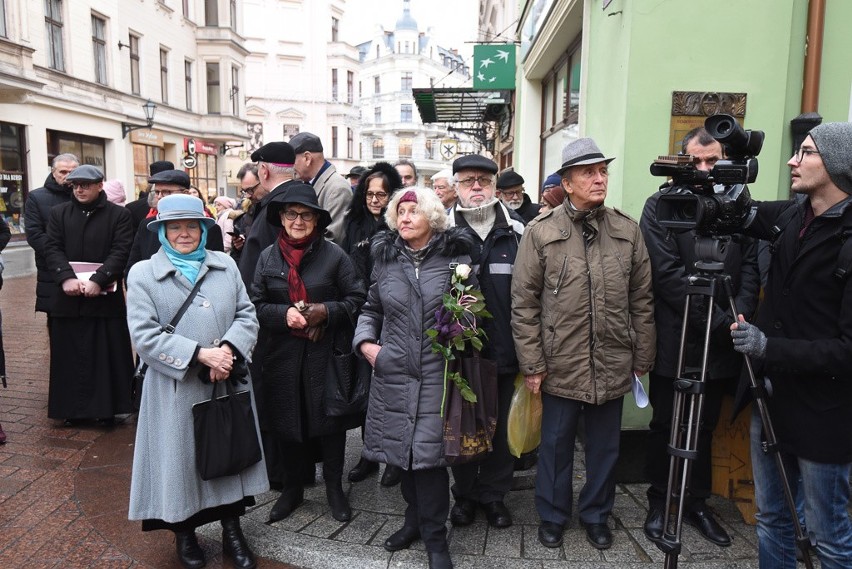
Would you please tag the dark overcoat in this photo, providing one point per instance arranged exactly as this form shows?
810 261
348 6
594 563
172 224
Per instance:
403 414
36 216
294 368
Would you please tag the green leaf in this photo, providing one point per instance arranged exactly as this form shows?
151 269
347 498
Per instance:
460 287
431 333
476 343
468 394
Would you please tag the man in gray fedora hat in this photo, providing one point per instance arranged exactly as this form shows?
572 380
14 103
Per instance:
583 318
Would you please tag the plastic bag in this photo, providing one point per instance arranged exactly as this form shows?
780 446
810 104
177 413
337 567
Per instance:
524 428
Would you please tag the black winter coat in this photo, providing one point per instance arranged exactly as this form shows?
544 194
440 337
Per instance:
294 368
672 262
806 315
403 414
493 262
100 232
36 216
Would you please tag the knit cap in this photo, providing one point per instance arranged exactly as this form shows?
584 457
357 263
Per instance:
114 191
834 142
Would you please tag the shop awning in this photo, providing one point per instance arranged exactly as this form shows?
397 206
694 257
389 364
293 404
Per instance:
460 104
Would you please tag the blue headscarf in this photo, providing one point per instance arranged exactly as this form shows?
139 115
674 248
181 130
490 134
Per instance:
187 264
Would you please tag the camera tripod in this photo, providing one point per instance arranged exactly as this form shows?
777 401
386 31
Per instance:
689 388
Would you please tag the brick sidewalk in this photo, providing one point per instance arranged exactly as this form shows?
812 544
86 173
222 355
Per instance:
64 491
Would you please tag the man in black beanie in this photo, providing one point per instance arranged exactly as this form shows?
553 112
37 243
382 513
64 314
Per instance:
801 343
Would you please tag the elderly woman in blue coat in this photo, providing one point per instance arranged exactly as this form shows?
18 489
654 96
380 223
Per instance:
218 329
413 263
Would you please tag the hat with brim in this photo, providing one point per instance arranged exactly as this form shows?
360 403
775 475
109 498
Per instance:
179 207
85 174
301 194
176 177
581 152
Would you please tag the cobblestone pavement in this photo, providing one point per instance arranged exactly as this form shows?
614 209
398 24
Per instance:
64 494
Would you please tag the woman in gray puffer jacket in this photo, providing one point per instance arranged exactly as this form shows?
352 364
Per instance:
412 268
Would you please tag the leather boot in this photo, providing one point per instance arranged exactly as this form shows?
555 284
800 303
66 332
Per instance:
362 470
337 501
234 544
440 560
189 552
391 476
289 500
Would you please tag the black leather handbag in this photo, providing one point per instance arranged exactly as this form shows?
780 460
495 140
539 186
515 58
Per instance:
226 441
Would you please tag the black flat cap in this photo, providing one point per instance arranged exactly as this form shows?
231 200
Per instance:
85 173
160 166
306 142
177 177
509 179
274 153
356 172
476 161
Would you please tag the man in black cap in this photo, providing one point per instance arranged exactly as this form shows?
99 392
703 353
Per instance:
146 243
510 190
497 231
354 175
36 215
140 208
333 191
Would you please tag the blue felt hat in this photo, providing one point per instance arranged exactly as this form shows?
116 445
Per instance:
179 206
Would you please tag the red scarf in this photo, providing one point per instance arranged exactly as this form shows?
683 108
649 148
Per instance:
293 250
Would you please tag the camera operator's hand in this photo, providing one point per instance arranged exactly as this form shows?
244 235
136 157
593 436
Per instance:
748 339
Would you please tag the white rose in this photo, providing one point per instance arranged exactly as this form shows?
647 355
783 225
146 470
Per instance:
462 271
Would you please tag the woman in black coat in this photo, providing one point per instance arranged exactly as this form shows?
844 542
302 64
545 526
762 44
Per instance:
365 218
307 295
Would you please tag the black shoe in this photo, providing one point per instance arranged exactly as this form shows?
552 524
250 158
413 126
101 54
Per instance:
598 535
707 526
550 534
391 476
402 539
288 501
654 523
463 512
362 470
440 560
337 501
189 552
105 422
234 544
497 514
526 461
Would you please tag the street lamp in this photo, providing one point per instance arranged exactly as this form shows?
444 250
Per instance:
149 109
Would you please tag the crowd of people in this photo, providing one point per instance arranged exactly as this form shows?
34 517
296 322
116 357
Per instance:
583 299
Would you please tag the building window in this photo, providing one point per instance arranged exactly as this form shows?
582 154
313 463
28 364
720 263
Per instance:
187 83
290 130
99 49
405 145
334 141
378 148
377 113
350 142
406 83
134 65
233 14
334 85
213 99
430 149
3 18
164 75
405 113
235 91
377 84
203 176
185 8
53 24
335 28
350 87
211 12
406 47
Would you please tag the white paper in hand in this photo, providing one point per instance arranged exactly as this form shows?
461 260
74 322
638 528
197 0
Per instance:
639 392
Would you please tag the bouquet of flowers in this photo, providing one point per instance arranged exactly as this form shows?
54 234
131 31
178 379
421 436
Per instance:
456 328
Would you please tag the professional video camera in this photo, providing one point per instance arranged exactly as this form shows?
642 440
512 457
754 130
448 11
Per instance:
715 202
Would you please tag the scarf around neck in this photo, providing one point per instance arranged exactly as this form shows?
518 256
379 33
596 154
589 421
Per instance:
187 264
293 250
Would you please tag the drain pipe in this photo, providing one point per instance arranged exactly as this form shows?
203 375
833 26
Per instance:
810 117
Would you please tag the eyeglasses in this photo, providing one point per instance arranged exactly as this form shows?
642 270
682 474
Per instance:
378 196
169 192
307 216
484 182
513 194
802 152
249 191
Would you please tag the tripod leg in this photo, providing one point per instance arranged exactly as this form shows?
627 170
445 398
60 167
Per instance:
771 444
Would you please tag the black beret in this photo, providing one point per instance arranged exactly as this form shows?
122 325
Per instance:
306 142
274 153
509 179
177 177
471 161
160 166
85 173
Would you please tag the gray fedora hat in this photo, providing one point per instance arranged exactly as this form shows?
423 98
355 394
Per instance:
581 152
